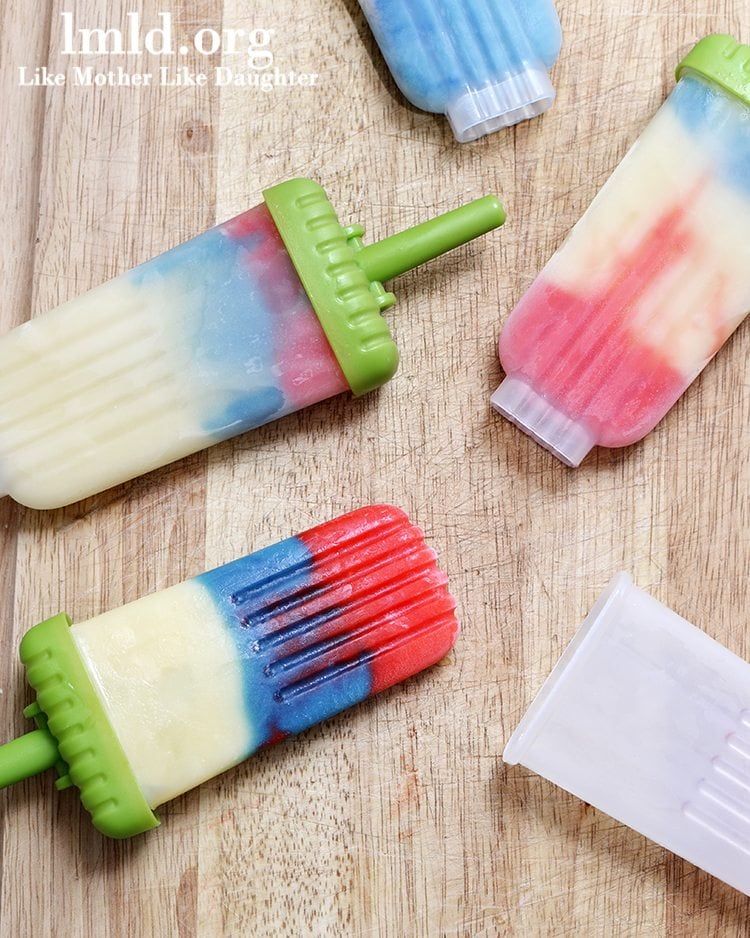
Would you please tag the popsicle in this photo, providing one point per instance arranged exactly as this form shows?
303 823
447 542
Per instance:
267 313
651 281
483 63
142 703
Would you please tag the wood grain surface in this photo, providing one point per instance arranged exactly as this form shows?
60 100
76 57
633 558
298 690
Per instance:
397 818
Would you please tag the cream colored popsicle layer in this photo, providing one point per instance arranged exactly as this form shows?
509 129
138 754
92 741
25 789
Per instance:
112 368
171 680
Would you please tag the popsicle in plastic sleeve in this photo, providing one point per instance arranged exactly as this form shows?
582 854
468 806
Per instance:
258 317
483 63
648 719
651 281
147 701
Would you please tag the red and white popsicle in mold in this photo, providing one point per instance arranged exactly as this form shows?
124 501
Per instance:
652 280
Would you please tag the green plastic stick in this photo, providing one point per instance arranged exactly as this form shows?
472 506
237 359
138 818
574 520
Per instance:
343 278
26 756
415 246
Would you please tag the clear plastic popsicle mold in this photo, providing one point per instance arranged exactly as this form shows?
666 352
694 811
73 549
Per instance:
564 437
648 719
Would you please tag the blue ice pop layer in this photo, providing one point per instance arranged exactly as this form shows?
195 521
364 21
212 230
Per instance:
720 121
241 324
438 50
227 327
256 596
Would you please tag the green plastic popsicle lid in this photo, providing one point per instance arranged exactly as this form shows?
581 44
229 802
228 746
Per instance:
74 735
722 60
344 278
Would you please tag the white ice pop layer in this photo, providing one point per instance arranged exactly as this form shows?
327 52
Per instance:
170 680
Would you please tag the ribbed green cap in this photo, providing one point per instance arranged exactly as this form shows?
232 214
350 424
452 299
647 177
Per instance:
74 735
344 279
722 60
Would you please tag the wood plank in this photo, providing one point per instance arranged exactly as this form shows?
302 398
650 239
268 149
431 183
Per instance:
398 818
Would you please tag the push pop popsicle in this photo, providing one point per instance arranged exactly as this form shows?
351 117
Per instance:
272 311
652 280
147 701
483 63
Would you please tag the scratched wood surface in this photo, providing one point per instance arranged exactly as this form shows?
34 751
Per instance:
398 818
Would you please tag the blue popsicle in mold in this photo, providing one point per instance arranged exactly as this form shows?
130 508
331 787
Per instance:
483 63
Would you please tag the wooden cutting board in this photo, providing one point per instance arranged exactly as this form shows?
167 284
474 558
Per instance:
398 818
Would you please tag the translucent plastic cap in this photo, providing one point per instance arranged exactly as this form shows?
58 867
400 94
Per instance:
648 719
519 97
570 440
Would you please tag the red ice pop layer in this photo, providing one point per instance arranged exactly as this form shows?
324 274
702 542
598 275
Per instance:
578 351
308 370
388 600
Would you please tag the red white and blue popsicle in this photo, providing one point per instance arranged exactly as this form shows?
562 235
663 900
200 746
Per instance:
185 683
270 312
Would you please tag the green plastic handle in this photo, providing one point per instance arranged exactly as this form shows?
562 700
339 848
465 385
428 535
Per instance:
410 248
343 278
26 756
